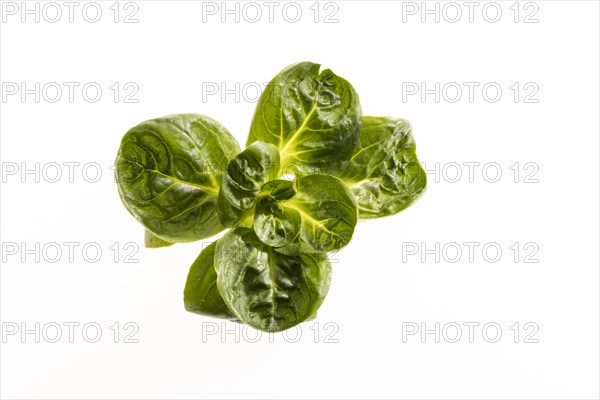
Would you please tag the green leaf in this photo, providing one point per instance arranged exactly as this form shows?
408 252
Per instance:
328 211
275 224
169 171
152 241
265 289
243 179
313 118
201 295
323 204
278 189
384 173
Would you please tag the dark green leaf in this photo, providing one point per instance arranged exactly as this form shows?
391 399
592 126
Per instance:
313 118
384 173
169 171
265 289
278 189
201 295
152 241
275 224
243 179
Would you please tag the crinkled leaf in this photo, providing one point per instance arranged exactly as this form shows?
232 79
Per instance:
201 295
275 224
243 179
313 118
265 289
384 173
326 208
169 171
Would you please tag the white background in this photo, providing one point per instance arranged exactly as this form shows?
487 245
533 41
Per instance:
379 289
